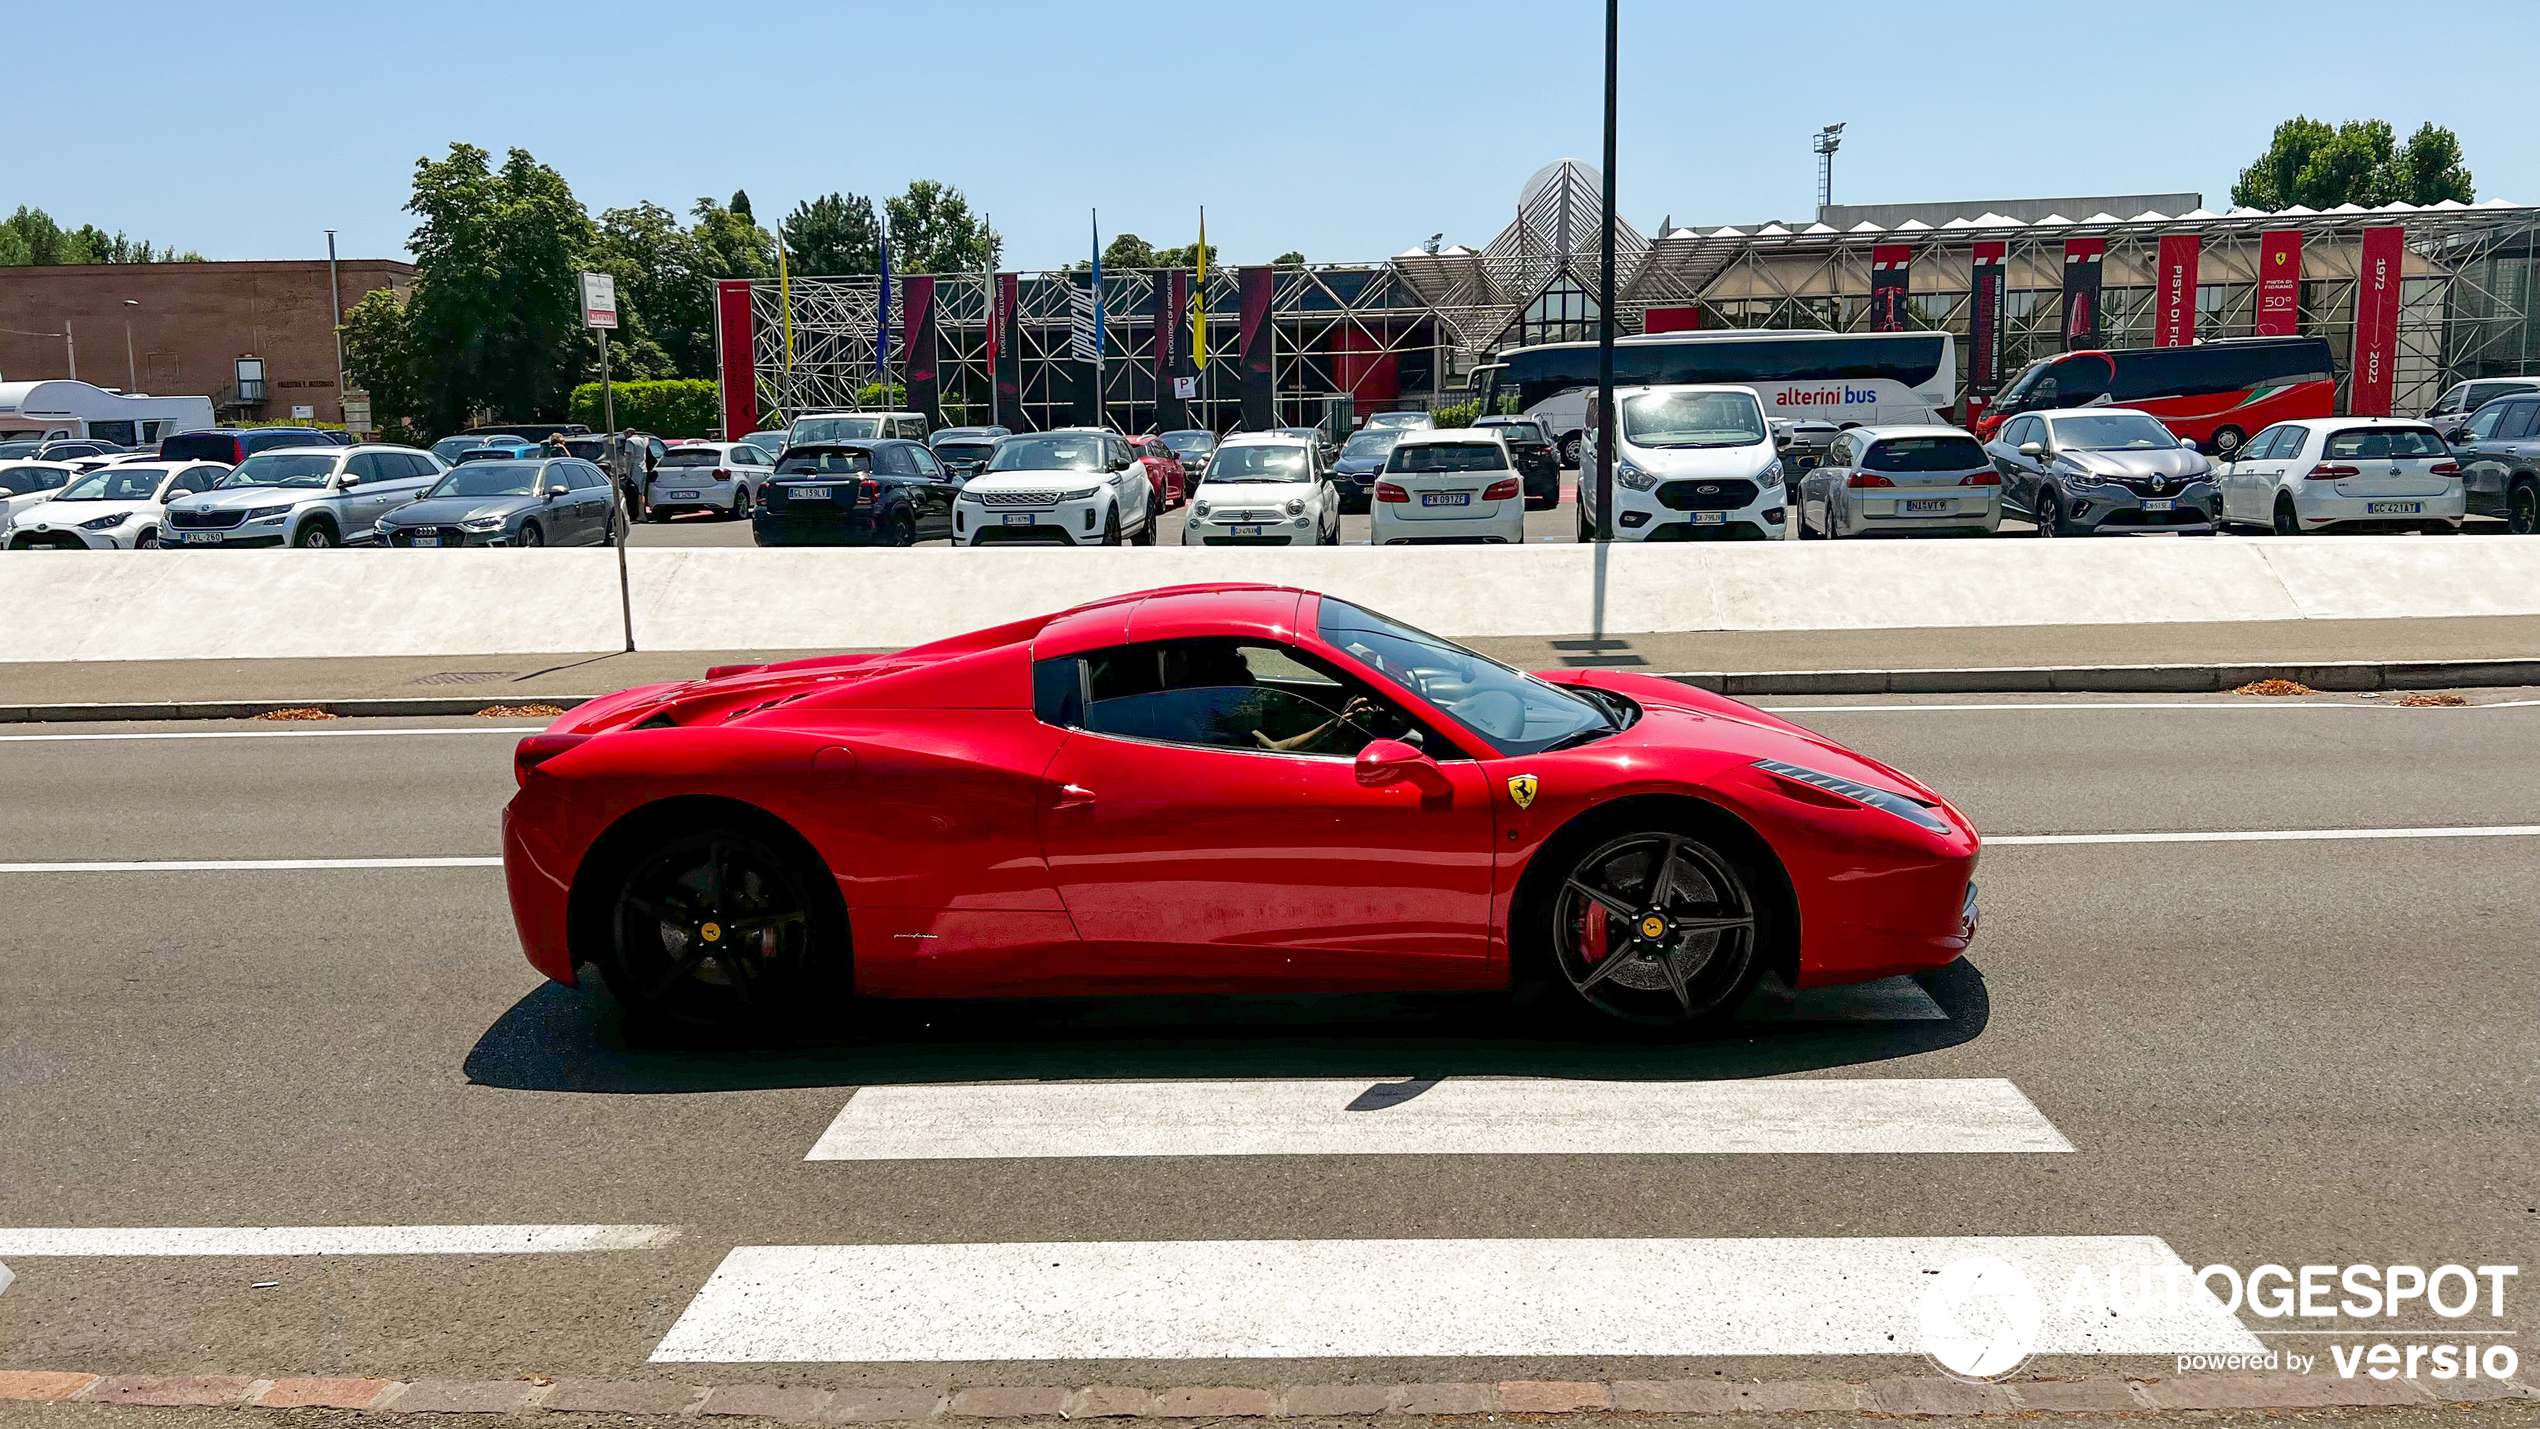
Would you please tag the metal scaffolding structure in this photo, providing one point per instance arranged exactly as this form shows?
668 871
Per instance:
1404 331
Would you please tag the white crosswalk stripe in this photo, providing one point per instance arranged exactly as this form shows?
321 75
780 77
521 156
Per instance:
1175 1300
1457 1116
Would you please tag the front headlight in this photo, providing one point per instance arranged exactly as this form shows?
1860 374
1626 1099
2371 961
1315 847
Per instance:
482 523
1199 508
1081 494
1771 473
1912 811
1296 505
106 523
1633 477
267 513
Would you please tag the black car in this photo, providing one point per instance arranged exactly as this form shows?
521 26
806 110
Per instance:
964 451
882 493
1538 460
231 445
1359 462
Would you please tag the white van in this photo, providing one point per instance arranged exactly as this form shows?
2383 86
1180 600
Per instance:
1695 463
57 409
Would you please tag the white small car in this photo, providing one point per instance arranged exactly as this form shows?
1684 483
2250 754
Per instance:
2343 474
30 483
1263 489
723 477
1695 463
115 508
1077 486
1449 485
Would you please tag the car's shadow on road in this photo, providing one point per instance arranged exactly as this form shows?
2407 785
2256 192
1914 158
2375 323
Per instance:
566 1039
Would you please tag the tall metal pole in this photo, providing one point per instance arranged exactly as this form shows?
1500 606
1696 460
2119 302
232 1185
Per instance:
131 369
1605 302
70 346
335 295
626 518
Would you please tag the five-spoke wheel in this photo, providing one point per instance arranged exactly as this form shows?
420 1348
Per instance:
712 931
1656 928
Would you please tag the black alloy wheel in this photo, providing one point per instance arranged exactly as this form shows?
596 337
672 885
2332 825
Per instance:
2522 509
903 530
2287 522
711 931
1657 929
2050 514
1111 528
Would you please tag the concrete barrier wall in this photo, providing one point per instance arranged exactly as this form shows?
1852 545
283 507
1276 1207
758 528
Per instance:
275 604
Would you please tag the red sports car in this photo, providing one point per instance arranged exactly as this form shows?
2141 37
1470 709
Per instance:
1225 788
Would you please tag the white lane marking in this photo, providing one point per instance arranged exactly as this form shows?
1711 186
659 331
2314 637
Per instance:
247 865
1458 1116
264 733
330 1240
1281 1299
2233 836
2113 705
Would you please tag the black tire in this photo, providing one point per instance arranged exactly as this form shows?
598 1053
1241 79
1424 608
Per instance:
740 505
146 541
1586 533
2285 521
1570 451
676 909
530 535
2050 514
2522 508
1658 928
318 536
903 530
2227 440
1111 528
1146 530
1799 518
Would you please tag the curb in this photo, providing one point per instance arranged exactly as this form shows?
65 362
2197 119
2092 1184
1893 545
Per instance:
2334 677
1892 1397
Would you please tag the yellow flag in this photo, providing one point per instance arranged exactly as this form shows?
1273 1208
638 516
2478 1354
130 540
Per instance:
1199 300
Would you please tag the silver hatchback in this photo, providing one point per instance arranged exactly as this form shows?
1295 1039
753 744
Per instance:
1901 481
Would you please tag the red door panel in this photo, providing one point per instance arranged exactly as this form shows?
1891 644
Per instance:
1198 869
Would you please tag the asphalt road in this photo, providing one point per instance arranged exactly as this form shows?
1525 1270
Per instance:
2286 1051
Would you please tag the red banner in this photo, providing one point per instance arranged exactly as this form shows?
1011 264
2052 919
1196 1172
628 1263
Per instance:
739 360
1984 328
2174 303
2082 263
2279 283
1671 320
1891 276
2376 351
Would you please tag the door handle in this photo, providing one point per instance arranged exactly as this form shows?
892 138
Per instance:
1073 796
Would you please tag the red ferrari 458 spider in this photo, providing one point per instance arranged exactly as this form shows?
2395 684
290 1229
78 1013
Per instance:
1226 788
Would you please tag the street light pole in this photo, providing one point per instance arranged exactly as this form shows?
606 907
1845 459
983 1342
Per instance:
1605 301
335 295
131 369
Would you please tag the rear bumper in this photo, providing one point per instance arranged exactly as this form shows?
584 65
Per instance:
832 528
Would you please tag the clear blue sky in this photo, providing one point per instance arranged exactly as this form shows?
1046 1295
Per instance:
1346 130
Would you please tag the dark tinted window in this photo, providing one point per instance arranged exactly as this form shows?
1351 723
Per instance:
2482 423
2217 368
818 461
1925 454
2073 381
893 461
2516 423
583 478
2367 443
1220 693
221 447
1912 360
1448 456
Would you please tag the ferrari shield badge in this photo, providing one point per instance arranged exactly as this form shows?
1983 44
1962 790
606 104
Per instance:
1522 789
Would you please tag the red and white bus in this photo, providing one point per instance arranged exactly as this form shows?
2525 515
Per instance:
2213 394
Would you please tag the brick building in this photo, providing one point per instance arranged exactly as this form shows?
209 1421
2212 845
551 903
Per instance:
190 323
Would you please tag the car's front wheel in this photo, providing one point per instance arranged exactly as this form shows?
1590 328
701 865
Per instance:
713 931
1111 528
1657 928
316 536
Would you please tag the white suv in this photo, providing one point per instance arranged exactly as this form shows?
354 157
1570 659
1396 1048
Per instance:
1694 463
1262 489
1077 486
1449 485
302 496
812 428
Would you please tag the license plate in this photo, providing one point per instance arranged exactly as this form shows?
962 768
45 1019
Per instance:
1446 498
1710 518
1018 518
1912 507
199 538
802 493
2393 508
2164 504
427 540
1248 530
683 496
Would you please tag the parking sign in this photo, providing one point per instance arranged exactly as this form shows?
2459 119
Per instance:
599 300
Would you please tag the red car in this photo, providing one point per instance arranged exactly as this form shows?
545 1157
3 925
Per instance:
1226 788
1165 474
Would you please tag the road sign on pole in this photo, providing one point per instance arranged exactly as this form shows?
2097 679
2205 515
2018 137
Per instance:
599 300
599 310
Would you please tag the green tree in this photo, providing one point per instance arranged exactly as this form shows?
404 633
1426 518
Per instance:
13 250
379 358
2358 162
1185 257
31 236
1289 259
834 236
495 319
740 204
650 256
1128 251
934 231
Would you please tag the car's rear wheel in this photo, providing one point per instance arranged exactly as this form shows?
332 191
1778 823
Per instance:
903 530
741 504
2522 509
713 931
1570 451
2227 440
1657 928
2286 521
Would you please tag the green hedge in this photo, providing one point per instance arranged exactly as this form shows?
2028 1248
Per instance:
685 407
1460 414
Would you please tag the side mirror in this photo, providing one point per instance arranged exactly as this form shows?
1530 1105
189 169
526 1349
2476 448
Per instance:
348 481
1387 762
558 489
2190 444
2031 449
2460 436
1781 441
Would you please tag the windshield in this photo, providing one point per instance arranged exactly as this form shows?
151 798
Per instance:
825 463
1372 444
964 451
1693 419
2115 433
10 451
503 452
448 448
1515 431
1925 454
1059 451
117 483
282 469
2377 443
489 478
1448 456
1398 420
692 456
1516 712
1185 443
835 429
1265 462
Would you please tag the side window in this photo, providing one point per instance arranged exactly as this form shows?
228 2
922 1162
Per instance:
365 465
2516 423
2482 423
926 464
2450 402
748 455
200 478
2261 446
1219 693
891 460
